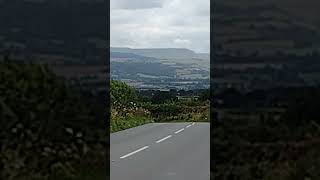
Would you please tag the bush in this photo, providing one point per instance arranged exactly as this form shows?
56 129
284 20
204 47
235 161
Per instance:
121 93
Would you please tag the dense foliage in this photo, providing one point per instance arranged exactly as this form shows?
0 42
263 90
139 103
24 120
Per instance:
125 113
121 93
130 109
284 149
46 128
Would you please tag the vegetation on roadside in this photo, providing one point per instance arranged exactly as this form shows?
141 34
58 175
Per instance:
46 127
283 149
130 108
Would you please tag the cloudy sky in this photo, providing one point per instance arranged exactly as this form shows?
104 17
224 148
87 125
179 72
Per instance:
161 24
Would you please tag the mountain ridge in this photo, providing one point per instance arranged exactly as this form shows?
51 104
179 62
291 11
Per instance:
161 53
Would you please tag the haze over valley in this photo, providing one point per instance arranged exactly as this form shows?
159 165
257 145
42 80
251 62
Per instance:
160 68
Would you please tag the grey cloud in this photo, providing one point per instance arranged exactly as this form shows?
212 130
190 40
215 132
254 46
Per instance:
136 4
177 24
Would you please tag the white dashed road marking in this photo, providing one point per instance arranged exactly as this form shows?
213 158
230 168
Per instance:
132 153
164 139
160 140
179 131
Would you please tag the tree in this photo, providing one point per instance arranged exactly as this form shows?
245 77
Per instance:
121 93
205 95
162 96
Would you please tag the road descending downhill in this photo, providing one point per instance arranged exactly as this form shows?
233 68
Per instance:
161 151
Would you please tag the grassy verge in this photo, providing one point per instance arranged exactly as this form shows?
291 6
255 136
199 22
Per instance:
166 112
126 122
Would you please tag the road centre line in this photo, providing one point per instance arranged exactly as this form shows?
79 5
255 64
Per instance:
136 151
179 131
163 139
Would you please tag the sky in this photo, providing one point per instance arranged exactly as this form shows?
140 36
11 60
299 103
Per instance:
161 24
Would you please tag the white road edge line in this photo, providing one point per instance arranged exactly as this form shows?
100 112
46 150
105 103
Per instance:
164 139
179 131
136 151
188 126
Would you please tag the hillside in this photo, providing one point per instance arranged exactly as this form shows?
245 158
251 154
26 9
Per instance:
160 68
245 27
68 28
161 53
265 44
118 56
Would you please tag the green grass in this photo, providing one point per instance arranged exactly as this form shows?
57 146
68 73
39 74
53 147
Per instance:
122 123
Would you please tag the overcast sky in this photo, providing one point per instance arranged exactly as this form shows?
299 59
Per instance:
161 24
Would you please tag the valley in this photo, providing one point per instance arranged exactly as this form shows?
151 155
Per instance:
162 69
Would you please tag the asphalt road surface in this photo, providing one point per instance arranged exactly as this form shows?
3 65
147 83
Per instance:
161 151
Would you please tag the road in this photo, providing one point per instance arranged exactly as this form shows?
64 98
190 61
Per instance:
161 151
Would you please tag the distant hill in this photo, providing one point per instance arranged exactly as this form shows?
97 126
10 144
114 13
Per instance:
132 56
64 27
265 27
203 56
161 53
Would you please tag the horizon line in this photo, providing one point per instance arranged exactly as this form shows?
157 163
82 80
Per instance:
160 48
